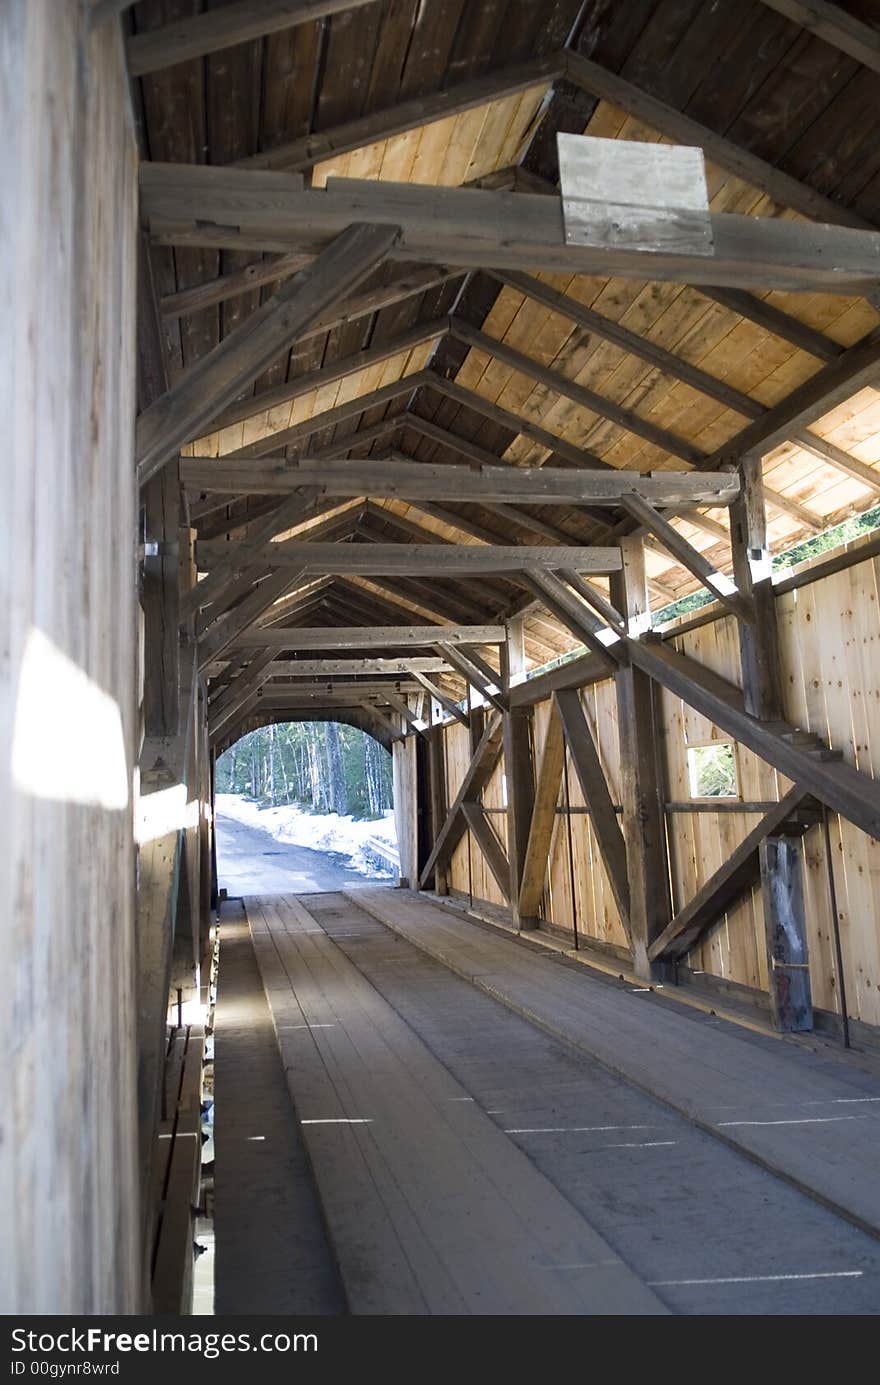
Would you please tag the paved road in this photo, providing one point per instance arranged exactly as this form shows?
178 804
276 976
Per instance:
251 861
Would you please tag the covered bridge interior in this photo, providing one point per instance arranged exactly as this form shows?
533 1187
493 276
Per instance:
345 379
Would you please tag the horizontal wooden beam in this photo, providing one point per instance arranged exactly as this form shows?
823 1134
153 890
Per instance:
836 26
351 668
246 209
366 687
370 636
225 27
408 479
303 153
726 885
406 559
187 408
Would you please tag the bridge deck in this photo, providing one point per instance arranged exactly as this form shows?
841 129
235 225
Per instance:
469 1162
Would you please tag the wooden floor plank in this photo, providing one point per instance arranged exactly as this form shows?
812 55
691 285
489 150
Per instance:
812 1119
431 1208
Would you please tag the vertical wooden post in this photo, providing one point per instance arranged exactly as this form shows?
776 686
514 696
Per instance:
781 857
752 570
642 794
519 775
437 775
519 770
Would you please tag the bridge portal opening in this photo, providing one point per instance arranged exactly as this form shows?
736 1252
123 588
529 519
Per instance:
304 806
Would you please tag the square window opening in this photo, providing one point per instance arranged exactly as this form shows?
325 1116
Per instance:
712 770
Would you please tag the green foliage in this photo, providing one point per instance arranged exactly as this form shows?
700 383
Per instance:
712 770
810 548
297 762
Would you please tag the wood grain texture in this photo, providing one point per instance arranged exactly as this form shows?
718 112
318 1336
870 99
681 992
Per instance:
70 1230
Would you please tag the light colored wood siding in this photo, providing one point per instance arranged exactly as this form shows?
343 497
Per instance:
70 1233
830 641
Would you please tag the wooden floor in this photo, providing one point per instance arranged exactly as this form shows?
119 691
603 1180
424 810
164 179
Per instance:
812 1117
430 1208
271 1249
466 1161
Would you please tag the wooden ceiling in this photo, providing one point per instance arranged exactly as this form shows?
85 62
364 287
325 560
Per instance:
643 376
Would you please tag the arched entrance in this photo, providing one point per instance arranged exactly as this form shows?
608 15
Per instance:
304 805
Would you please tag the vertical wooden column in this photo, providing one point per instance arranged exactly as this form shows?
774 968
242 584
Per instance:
752 569
437 776
781 856
642 795
518 770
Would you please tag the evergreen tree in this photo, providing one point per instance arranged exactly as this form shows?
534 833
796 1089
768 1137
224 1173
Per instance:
326 767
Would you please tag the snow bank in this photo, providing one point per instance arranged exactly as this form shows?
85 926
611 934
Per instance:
347 836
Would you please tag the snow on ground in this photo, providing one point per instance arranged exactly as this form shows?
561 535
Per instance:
347 836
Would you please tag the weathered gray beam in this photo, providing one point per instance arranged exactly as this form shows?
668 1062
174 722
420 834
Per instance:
370 636
230 628
252 276
239 208
401 559
335 668
780 324
404 478
642 792
856 796
225 27
188 408
370 298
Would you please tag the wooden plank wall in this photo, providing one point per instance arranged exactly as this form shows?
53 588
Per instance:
69 1188
829 644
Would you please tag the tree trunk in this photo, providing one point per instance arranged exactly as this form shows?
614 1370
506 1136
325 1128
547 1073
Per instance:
338 788
272 794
